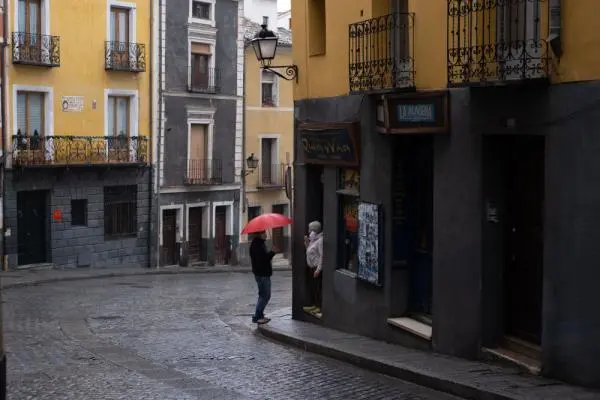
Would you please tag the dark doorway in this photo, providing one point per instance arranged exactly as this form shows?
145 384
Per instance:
278 233
522 181
169 232
314 194
221 239
412 192
195 247
32 227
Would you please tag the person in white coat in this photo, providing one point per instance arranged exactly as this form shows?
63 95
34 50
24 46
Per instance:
314 261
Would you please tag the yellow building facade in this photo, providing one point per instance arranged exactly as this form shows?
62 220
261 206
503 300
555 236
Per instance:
269 134
78 106
469 130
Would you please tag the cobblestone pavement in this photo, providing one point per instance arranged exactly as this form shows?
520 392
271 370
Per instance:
168 337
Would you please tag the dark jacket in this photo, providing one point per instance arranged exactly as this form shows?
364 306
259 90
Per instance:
261 258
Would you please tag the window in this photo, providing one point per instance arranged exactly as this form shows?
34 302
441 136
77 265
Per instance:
119 37
118 122
268 162
198 163
348 196
30 114
317 27
200 57
268 89
201 10
30 17
120 211
79 212
253 212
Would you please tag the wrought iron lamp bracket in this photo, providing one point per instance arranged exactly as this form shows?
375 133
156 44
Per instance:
290 71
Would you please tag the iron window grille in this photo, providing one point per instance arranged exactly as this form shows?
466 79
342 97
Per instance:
120 211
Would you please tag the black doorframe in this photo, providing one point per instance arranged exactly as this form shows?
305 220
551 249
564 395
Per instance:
499 153
33 227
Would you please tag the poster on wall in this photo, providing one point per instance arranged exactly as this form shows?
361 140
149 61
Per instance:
370 243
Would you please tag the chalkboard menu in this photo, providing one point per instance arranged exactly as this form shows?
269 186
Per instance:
333 144
370 243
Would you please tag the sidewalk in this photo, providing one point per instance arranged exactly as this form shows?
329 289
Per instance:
20 278
468 379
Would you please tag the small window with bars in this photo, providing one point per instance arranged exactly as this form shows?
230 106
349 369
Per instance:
201 10
120 211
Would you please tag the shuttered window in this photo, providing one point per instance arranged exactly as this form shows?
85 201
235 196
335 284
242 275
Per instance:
30 16
30 113
118 116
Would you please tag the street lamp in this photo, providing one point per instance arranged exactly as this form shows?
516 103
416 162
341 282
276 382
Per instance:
251 164
265 47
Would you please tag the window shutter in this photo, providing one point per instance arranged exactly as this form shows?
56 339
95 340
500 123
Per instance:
21 113
123 110
110 129
22 15
200 48
35 104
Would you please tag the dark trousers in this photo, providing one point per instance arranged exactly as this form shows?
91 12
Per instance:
315 287
264 295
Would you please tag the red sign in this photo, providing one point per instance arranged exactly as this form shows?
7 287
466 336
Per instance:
57 215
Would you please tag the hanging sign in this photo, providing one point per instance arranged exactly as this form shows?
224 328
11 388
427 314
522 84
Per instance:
330 144
415 113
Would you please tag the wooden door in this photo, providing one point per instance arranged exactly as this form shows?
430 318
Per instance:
524 245
119 36
221 240
278 233
198 162
31 227
267 161
195 239
169 233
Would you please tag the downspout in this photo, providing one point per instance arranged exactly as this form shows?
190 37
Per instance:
159 130
4 124
243 169
151 141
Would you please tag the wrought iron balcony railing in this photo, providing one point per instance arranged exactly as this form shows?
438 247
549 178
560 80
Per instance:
35 49
209 82
381 53
204 172
271 176
492 41
125 56
37 150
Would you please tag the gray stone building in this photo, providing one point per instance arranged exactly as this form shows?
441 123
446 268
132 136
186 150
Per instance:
199 135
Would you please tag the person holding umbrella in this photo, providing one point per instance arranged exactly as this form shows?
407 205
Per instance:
261 259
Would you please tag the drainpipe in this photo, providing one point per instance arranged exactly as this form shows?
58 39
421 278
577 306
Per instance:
159 130
555 28
4 124
243 169
151 141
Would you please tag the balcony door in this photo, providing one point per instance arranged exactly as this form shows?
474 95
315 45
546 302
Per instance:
198 163
519 44
200 73
30 28
119 37
30 126
268 174
119 119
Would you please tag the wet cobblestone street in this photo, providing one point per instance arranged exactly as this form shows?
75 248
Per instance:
168 337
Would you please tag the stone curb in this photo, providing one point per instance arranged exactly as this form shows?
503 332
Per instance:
143 271
416 376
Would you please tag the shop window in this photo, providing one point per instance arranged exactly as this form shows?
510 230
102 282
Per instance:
120 211
348 197
79 212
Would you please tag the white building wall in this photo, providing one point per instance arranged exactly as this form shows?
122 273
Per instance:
255 10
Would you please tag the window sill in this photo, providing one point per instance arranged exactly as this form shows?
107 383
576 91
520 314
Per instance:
346 272
317 53
199 21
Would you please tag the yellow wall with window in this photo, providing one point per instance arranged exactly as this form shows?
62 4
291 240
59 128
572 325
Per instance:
325 73
82 27
267 121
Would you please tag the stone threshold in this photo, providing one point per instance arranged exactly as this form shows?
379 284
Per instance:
412 326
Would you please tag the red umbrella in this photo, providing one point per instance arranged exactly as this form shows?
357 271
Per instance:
266 221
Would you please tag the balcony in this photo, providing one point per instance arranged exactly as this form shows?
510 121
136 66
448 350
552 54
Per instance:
381 53
35 49
271 176
54 151
209 82
124 56
496 42
204 172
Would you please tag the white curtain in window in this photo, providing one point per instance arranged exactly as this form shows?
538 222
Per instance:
22 15
21 113
122 25
34 16
122 105
35 103
111 116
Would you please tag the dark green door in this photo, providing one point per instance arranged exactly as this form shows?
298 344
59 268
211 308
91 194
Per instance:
31 227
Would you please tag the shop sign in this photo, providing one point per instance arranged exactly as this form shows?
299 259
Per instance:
330 144
421 113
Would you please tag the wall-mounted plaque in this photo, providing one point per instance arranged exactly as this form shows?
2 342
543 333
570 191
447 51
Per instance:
370 243
330 144
72 103
415 113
